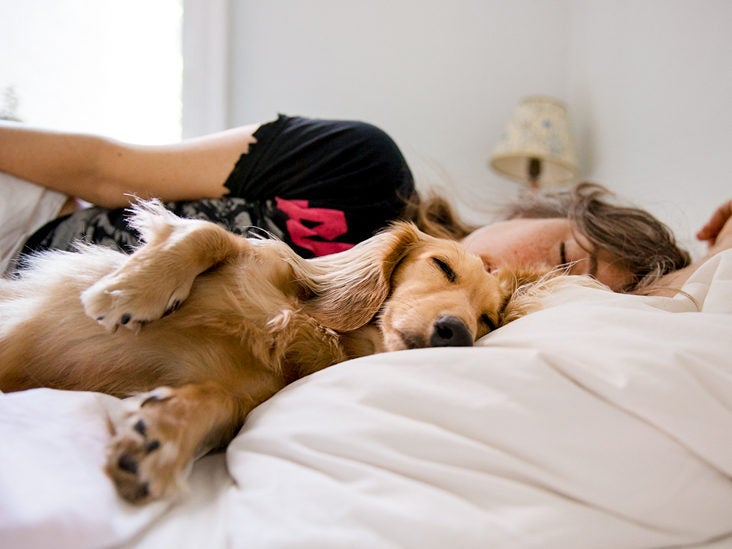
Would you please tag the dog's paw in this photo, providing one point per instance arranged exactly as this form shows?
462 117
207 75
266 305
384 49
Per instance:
145 457
131 301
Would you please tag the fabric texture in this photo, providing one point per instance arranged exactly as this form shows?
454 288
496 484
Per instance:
24 208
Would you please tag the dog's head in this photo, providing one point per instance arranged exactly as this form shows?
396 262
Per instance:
442 296
420 291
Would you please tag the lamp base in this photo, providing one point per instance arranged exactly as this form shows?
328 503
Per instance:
534 171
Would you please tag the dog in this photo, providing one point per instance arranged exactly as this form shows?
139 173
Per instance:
198 326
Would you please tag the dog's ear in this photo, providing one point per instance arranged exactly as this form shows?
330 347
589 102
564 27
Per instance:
344 291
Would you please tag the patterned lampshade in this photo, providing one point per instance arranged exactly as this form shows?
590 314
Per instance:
537 146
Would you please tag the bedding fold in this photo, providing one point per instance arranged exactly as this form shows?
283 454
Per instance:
603 420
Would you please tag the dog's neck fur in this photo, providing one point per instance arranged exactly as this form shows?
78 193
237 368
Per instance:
364 341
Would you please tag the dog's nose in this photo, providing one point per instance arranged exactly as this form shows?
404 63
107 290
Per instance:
450 331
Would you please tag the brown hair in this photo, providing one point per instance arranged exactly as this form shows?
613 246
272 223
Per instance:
436 216
638 241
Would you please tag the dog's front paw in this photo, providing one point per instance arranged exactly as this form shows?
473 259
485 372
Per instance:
119 299
145 458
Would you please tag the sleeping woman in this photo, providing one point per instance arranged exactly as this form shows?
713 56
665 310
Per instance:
321 186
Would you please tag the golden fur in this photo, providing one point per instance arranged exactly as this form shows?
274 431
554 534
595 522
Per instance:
201 326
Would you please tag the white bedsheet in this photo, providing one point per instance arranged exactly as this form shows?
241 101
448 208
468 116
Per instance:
24 208
602 421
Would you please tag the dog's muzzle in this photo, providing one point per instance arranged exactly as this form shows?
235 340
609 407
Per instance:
450 331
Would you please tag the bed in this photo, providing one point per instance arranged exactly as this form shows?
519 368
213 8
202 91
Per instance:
604 420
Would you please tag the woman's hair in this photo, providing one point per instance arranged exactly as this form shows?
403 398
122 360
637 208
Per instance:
436 216
638 241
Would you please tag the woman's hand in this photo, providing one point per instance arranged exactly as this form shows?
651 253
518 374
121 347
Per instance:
717 232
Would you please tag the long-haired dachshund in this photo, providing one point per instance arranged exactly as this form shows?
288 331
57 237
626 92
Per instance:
201 326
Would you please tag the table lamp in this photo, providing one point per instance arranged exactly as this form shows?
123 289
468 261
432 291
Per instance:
536 147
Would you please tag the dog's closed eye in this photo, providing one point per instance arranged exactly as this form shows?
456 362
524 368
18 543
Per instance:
446 269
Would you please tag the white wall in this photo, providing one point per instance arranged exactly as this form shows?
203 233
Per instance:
647 83
440 77
652 90
205 85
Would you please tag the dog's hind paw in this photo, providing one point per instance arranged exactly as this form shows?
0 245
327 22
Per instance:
145 459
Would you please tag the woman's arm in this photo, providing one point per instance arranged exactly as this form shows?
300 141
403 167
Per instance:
105 172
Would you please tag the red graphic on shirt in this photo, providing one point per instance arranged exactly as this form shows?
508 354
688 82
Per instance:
330 225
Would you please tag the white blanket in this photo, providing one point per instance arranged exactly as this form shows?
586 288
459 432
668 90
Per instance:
602 421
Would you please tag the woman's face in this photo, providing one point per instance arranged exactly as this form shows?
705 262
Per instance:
543 242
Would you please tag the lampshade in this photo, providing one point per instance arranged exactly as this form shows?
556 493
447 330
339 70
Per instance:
538 138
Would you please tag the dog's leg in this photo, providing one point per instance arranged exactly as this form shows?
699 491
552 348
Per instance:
160 433
158 277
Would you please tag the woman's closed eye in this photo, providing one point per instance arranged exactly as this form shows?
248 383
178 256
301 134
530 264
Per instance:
576 259
562 253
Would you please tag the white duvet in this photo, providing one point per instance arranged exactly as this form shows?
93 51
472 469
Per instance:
601 421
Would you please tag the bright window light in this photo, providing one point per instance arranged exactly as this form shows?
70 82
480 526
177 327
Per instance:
111 67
